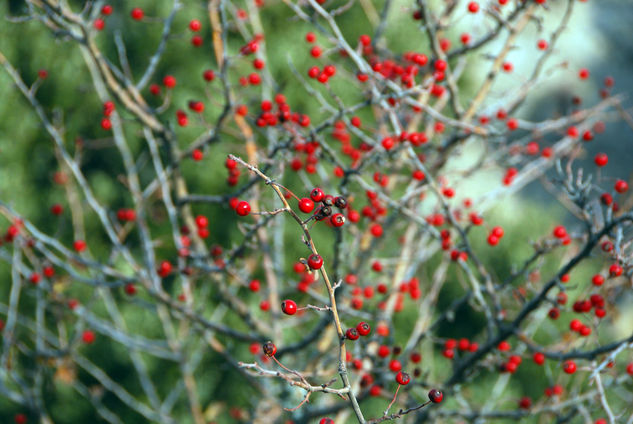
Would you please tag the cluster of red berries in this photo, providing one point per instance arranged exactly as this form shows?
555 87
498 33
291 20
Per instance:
340 133
307 276
495 235
555 390
108 108
321 75
583 306
126 214
164 268
99 23
463 344
241 207
182 118
202 223
577 326
270 118
195 26
234 172
362 329
309 149
509 175
561 233
512 364
252 46
324 211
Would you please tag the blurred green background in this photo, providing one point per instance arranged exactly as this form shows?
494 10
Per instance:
28 165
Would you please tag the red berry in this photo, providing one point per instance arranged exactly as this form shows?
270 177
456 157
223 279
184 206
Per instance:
504 346
326 421
197 155
79 245
243 208
601 159
164 268
106 124
57 209
306 205
329 70
583 73
363 328
615 270
575 325
337 220
254 285
317 194
376 230
169 81
473 7
621 186
130 289
195 25
559 232
202 221
289 307
98 24
539 358
402 378
395 365
137 13
351 334
435 396
315 261
88 337
525 402
569 367
106 10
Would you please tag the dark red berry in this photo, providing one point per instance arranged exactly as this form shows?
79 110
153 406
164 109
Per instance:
340 202
352 334
435 396
269 348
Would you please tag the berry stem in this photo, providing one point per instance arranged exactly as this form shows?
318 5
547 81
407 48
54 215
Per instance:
395 395
342 368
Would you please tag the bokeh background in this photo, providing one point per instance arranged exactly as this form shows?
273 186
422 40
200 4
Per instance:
599 38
